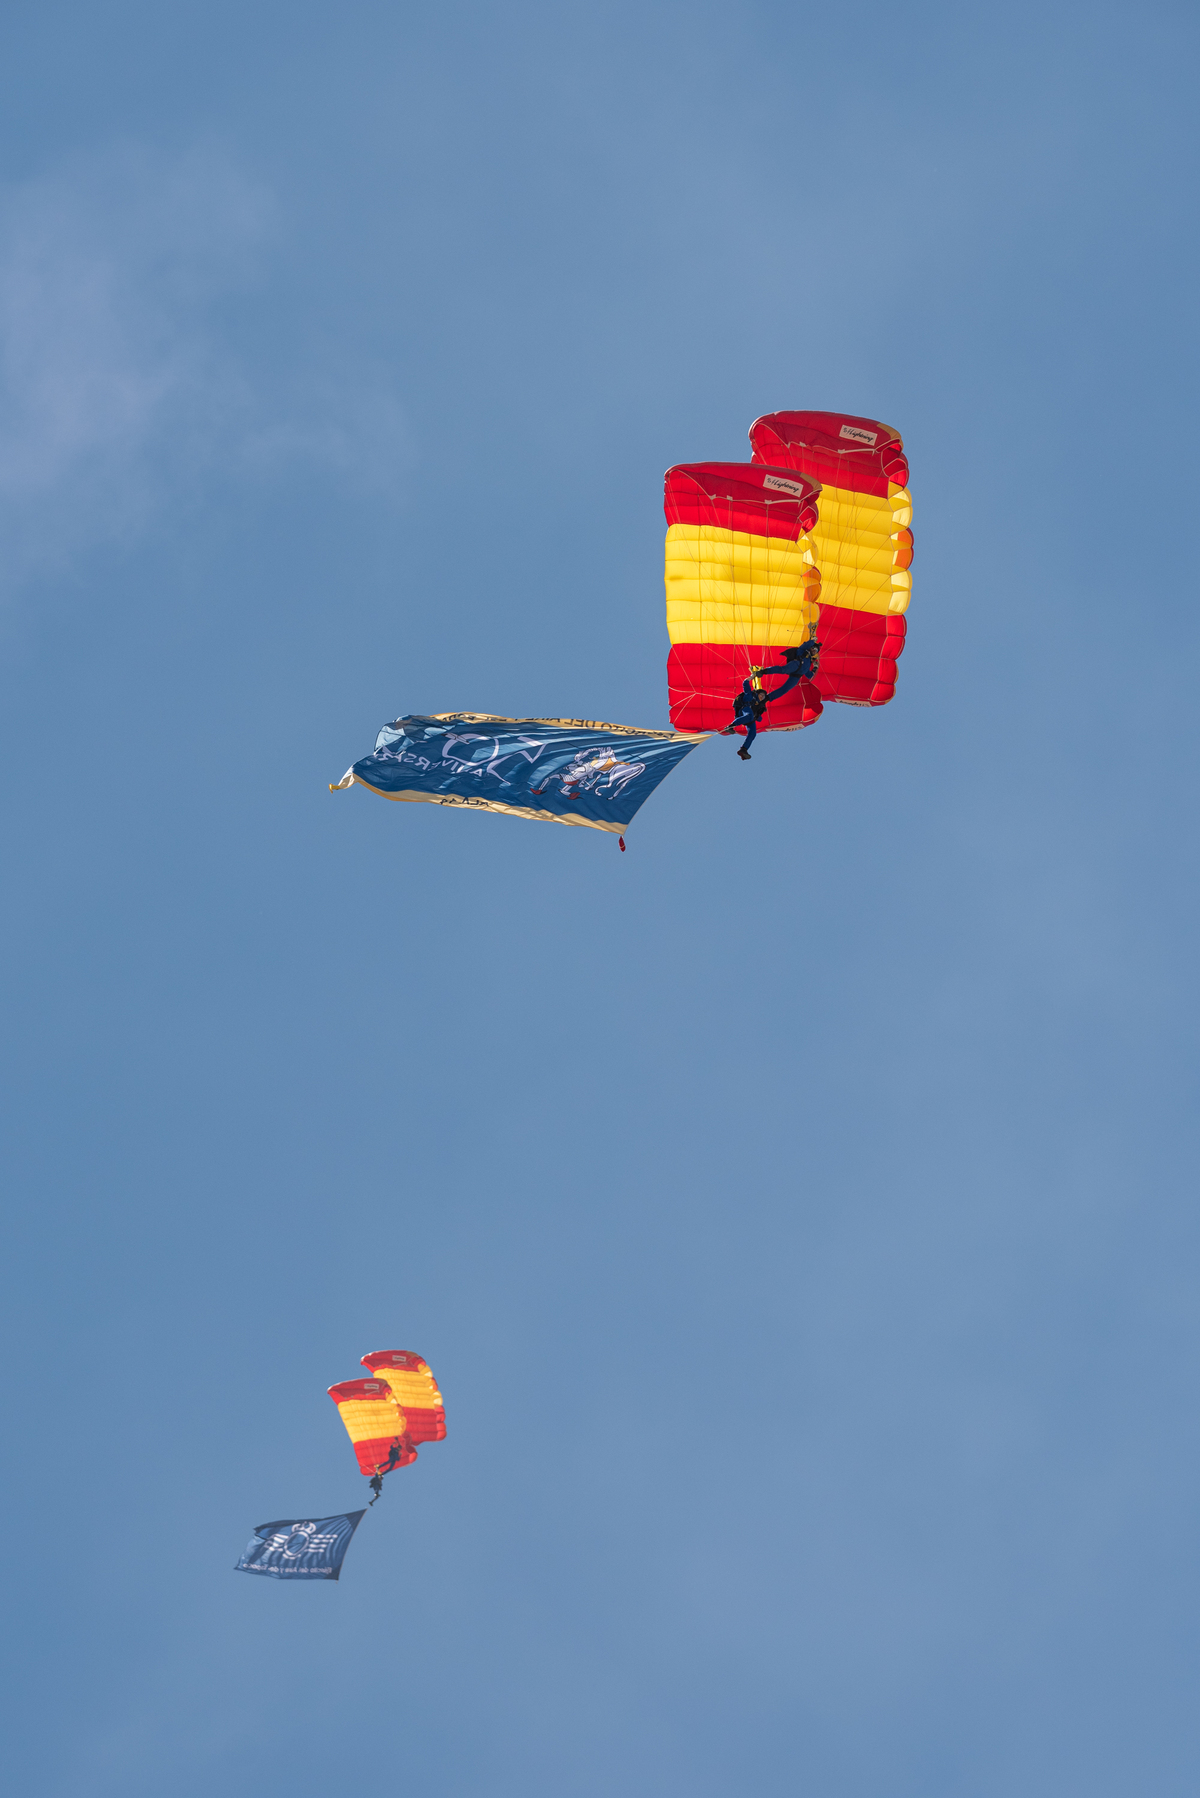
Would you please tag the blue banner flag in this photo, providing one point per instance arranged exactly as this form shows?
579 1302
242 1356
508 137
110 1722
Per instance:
300 1547
566 770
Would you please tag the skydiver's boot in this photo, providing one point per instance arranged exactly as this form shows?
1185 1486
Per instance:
744 753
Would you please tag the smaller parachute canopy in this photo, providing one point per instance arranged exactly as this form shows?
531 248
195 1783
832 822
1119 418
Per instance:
857 453
374 1423
414 1389
741 496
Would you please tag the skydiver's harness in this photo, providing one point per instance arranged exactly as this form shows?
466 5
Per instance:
750 705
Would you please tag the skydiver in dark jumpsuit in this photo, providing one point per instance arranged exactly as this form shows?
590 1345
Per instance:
800 662
748 708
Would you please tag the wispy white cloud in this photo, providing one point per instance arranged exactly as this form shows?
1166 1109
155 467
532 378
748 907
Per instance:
122 387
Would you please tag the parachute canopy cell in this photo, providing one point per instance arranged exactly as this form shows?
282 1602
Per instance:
414 1389
374 1423
741 584
862 542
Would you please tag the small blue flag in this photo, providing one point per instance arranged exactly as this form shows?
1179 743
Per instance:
300 1547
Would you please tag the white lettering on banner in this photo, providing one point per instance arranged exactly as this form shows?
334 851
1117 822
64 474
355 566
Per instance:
856 434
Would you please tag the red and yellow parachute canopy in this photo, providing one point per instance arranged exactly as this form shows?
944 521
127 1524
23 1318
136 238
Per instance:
862 542
415 1391
375 1424
742 583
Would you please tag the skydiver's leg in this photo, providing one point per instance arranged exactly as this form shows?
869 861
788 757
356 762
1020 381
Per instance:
793 680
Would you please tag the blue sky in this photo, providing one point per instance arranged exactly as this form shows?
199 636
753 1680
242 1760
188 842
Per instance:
798 1211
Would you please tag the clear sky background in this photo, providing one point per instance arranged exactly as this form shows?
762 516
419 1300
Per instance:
798 1211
